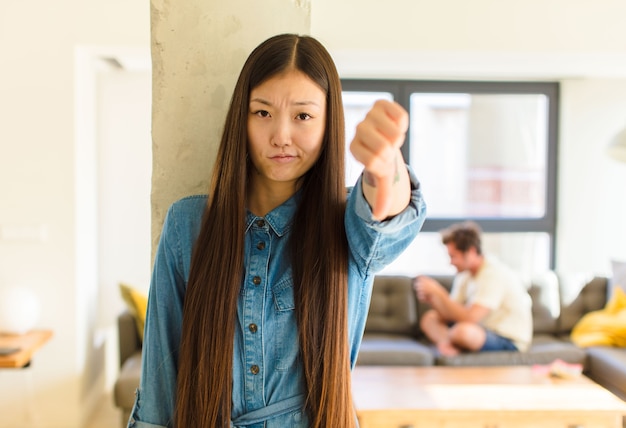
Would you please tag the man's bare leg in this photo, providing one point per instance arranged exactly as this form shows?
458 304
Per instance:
437 330
469 336
447 349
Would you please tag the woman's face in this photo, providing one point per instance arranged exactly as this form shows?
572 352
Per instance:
286 124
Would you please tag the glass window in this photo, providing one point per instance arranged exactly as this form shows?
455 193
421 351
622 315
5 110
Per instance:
480 155
484 151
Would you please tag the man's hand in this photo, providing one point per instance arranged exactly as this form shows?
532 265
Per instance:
376 145
428 290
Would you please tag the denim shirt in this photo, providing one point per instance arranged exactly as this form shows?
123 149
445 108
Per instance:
267 374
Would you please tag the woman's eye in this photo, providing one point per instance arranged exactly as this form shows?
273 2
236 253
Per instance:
303 116
262 113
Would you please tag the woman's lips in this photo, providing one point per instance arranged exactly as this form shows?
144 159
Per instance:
282 158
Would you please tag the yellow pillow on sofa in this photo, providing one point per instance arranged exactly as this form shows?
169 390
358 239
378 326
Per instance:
605 327
137 303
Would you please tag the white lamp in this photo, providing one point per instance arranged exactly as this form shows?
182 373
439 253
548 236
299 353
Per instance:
19 310
617 147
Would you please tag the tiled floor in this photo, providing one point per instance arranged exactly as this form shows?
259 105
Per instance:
106 416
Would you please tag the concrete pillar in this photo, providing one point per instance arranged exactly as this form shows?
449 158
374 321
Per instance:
198 49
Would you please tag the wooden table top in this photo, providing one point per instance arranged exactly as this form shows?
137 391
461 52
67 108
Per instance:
475 388
27 343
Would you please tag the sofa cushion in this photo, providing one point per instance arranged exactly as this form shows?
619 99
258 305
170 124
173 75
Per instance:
128 337
393 306
380 349
546 305
580 293
543 350
446 281
137 304
128 381
605 327
607 366
618 278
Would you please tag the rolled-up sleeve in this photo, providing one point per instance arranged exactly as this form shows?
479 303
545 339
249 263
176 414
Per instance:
374 244
156 396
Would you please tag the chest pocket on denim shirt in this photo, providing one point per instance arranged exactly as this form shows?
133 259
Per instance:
285 334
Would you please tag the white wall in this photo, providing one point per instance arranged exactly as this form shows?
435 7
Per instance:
478 26
124 165
592 203
481 39
124 172
39 41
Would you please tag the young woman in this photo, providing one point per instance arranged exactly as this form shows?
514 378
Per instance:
260 290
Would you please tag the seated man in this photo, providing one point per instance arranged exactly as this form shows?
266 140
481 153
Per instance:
488 308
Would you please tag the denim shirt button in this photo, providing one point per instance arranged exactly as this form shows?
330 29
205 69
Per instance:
253 328
260 223
254 369
260 245
256 280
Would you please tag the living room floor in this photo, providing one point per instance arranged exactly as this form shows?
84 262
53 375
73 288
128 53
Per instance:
106 415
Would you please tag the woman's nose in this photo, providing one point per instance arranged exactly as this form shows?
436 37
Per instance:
282 135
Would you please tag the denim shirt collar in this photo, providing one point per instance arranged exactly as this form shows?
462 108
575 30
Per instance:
280 218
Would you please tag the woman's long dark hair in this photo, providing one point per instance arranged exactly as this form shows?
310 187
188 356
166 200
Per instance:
318 249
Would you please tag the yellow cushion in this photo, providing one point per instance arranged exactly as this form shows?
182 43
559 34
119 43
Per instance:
137 303
617 301
606 327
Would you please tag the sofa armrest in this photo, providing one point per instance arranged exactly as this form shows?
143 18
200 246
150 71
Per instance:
129 342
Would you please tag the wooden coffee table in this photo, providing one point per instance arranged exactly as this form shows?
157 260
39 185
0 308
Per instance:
486 397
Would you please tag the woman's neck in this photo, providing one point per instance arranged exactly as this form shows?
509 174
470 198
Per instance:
263 197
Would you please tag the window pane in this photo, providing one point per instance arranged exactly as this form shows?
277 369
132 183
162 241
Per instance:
356 105
480 155
526 253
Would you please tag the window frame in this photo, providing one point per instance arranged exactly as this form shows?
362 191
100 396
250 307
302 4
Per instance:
401 91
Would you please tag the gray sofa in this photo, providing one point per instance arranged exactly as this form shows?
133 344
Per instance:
392 334
130 365
393 337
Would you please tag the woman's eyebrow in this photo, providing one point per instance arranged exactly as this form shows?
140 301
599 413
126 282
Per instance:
295 103
260 100
306 103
